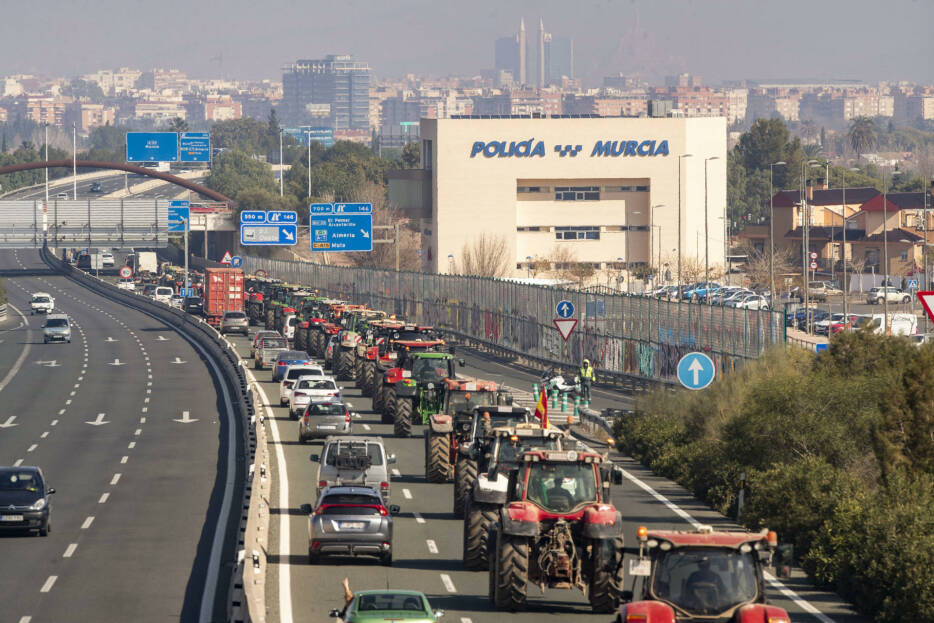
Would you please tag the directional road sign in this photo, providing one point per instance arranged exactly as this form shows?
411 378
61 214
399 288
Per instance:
152 147
259 235
236 261
564 309
253 216
194 147
696 371
179 213
565 326
927 302
281 216
341 226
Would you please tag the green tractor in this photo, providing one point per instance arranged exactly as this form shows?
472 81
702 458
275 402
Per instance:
421 389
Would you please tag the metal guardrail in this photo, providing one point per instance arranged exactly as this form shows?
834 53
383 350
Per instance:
3 311
633 336
231 374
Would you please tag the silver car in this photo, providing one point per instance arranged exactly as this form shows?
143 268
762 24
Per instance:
258 337
56 328
350 521
235 322
354 460
321 419
267 351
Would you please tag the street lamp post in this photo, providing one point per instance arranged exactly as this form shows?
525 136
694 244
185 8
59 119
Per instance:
707 230
885 249
309 163
628 255
450 263
659 252
806 242
772 232
281 187
528 266
681 157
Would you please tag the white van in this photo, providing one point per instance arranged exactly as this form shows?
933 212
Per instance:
163 294
900 324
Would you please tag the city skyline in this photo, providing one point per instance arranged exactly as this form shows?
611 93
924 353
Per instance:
794 40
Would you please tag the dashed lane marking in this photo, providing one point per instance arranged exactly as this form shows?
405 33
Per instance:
44 435
103 498
115 479
48 584
448 583
407 494
87 522
18 462
70 550
432 546
418 518
396 472
131 445
54 422
124 459
32 447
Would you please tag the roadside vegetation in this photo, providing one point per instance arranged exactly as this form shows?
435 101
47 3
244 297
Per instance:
838 453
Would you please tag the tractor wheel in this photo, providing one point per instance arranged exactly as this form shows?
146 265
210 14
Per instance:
606 576
437 456
358 372
465 474
344 365
299 338
478 519
402 419
510 572
366 384
378 399
389 405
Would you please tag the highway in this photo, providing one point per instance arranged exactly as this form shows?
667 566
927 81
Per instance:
109 184
136 503
428 539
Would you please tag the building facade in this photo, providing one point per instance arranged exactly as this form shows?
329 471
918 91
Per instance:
604 189
337 81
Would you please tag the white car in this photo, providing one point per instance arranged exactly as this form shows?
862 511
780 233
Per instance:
107 259
163 294
291 375
877 295
42 303
288 326
127 284
177 301
310 389
753 301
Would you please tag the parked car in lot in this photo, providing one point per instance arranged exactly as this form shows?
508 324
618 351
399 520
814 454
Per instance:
354 461
388 605
920 339
290 378
287 358
310 389
56 328
258 337
877 295
899 324
820 290
350 521
24 500
835 323
235 322
752 301
321 419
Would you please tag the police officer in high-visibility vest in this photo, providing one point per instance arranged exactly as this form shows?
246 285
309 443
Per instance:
587 376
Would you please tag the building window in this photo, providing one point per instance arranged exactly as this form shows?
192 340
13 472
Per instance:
426 154
903 256
531 189
577 233
626 189
577 193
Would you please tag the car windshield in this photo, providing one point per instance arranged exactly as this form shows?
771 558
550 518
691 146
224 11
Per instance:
40 299
234 315
12 479
508 451
390 601
293 355
325 409
272 342
430 369
323 384
466 401
371 450
56 322
561 487
703 580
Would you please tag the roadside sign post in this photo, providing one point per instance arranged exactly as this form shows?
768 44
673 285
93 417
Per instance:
696 371
927 302
179 221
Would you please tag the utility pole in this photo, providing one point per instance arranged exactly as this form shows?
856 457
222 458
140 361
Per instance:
682 156
707 232
772 233
74 161
281 187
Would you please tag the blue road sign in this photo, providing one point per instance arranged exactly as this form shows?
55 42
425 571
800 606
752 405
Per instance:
179 213
280 216
252 216
821 347
236 261
696 371
341 226
194 147
152 147
186 291
266 234
564 309
912 284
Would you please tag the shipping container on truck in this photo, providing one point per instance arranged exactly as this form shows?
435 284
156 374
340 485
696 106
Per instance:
223 292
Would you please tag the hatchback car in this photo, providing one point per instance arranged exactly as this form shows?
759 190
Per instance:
193 305
354 461
388 605
288 358
321 419
56 328
107 259
177 301
290 378
235 322
41 303
163 294
350 521
310 389
24 500
96 188
258 336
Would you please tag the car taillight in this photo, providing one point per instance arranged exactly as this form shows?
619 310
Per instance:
281 363
383 511
346 416
332 393
636 618
322 484
299 394
384 487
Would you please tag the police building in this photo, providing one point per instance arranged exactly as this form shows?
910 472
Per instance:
606 189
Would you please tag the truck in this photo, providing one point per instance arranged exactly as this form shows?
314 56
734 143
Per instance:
223 292
90 261
143 262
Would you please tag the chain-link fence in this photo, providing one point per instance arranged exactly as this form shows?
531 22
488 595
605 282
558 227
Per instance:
632 336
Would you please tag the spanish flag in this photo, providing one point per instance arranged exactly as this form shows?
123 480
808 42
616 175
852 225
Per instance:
541 409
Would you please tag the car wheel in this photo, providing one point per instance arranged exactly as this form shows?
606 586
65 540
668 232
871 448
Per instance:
312 557
386 559
45 340
46 529
906 299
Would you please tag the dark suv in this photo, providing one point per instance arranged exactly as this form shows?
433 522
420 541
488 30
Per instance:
24 500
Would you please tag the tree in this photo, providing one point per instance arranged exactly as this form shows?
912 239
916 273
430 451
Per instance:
177 125
234 172
83 89
410 156
765 142
273 123
862 135
758 266
485 255
809 130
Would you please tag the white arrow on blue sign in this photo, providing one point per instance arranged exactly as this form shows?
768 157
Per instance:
696 371
564 309
257 235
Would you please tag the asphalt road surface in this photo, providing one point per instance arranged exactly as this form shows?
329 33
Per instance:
135 507
109 184
427 539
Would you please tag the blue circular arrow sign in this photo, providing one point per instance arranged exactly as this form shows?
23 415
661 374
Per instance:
564 309
696 371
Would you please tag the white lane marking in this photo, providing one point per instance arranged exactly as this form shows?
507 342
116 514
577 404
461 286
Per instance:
48 584
787 592
396 472
18 462
465 620
22 356
72 394
142 420
87 522
54 422
103 498
146 399
145 409
68 402
32 447
70 550
44 435
448 584
124 459
61 412
115 479
432 546
366 427
418 518
77 385
138 432
131 445
25 619
407 494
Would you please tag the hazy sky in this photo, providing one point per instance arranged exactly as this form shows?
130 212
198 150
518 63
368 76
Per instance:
716 39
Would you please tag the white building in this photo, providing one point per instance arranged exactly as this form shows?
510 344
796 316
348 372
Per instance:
593 185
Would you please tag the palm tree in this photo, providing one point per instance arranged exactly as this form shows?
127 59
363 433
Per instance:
178 125
862 135
809 130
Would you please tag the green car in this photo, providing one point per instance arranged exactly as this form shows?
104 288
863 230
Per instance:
389 606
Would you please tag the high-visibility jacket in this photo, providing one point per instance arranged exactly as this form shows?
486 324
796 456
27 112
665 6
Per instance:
587 373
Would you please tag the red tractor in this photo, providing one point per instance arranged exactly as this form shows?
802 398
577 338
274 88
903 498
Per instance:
558 530
701 575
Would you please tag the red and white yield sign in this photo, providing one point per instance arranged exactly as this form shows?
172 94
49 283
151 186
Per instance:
927 301
565 326
126 272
